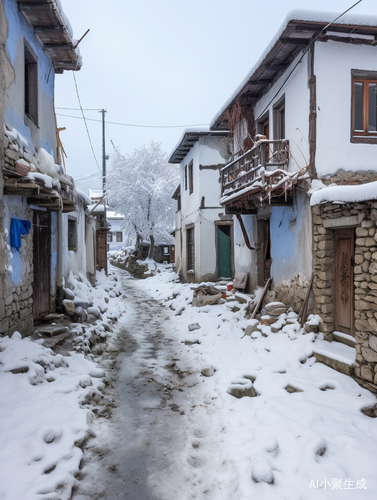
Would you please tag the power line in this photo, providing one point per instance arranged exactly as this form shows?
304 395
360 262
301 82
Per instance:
83 117
78 109
133 124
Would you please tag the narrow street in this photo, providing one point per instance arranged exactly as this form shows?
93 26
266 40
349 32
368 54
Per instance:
140 432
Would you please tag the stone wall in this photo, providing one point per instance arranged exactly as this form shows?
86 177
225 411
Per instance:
363 217
293 294
17 294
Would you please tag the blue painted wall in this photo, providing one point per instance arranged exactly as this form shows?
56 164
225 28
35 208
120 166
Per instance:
290 229
18 31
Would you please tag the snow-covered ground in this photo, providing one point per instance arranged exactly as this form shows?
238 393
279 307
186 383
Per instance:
311 442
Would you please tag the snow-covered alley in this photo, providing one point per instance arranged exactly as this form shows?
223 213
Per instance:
133 417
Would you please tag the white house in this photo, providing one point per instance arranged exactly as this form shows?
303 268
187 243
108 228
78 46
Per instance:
203 233
116 236
303 119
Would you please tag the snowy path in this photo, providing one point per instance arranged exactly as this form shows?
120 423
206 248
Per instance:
136 452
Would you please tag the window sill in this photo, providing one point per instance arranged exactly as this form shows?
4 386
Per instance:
364 139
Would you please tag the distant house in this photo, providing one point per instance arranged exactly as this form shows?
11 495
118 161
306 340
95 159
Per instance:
116 236
203 232
303 121
43 219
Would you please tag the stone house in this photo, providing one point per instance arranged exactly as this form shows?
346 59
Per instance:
43 220
302 178
203 233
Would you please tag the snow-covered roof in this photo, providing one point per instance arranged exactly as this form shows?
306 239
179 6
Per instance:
296 33
188 139
345 194
114 215
53 30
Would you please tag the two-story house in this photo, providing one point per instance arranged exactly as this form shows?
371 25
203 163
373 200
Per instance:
203 233
43 221
303 121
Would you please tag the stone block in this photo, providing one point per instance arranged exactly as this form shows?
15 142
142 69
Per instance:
369 242
359 259
369 354
373 342
362 325
12 154
366 373
373 325
361 231
367 223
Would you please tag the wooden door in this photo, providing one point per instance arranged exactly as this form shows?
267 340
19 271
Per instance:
224 251
343 281
101 249
42 263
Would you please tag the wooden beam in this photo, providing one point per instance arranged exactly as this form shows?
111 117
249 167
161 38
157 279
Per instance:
244 232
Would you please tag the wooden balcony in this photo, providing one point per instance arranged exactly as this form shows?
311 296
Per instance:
257 176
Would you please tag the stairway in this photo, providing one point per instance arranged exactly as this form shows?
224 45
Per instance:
340 355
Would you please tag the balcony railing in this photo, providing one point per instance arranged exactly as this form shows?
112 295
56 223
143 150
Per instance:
260 169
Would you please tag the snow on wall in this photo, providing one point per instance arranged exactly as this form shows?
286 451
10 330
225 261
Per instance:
345 194
333 64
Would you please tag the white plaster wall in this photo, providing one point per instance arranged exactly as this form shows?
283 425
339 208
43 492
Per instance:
208 155
74 261
117 226
333 64
296 92
245 259
206 258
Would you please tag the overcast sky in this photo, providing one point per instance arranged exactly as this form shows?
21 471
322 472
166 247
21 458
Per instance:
162 63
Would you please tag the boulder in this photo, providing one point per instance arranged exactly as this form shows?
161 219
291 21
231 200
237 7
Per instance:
69 307
68 294
208 371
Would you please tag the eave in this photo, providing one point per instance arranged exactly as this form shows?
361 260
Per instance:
187 141
52 32
293 40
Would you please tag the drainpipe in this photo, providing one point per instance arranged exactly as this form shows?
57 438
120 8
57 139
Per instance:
60 277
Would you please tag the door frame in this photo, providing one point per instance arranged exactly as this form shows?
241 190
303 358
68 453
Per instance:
346 281
41 268
225 223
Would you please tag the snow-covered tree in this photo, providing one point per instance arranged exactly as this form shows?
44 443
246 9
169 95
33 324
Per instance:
140 186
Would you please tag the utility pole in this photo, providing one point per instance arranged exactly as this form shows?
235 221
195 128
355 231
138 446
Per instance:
104 158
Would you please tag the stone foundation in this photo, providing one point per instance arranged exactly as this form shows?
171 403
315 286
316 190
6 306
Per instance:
362 217
293 294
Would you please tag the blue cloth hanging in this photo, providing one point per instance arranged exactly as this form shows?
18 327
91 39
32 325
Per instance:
17 229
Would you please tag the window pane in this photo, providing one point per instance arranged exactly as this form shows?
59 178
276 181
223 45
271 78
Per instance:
358 111
372 108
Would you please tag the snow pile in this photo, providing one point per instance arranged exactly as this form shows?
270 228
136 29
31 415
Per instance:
345 194
275 424
46 163
43 424
41 421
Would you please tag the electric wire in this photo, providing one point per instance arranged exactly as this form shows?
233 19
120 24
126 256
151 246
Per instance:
133 124
86 125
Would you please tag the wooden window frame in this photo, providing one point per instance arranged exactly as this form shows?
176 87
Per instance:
119 237
190 257
279 119
191 177
185 180
364 136
30 84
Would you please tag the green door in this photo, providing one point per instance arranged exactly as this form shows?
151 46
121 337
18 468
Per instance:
224 251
